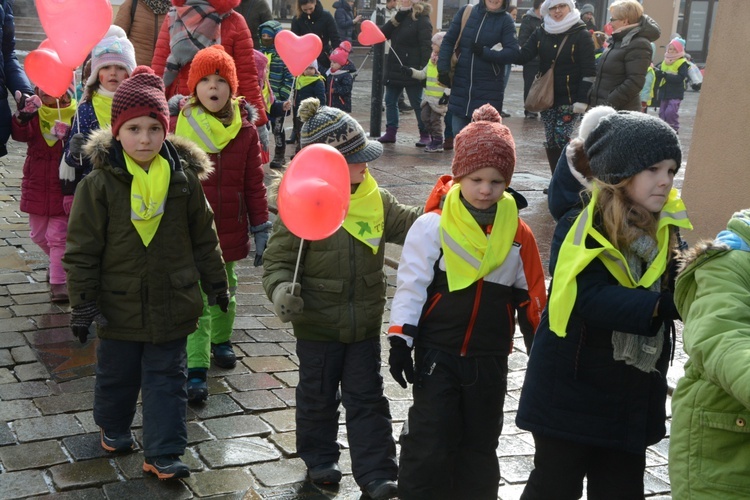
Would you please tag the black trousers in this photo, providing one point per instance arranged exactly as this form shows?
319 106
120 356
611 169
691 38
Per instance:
159 371
560 466
448 447
355 368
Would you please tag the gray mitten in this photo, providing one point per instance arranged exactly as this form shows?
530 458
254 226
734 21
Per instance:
75 145
287 301
260 235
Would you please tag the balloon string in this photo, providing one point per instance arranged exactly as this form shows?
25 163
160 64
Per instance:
75 117
59 113
299 257
391 51
293 94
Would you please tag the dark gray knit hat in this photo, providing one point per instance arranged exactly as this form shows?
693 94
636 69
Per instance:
624 143
326 125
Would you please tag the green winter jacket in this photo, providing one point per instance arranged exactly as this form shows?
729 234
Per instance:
709 451
147 294
343 282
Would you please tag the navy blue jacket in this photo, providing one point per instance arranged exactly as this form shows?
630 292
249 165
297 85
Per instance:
344 19
12 76
478 79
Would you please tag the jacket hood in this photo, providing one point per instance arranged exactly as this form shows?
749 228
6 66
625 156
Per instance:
342 4
274 26
221 6
531 13
647 28
421 9
105 152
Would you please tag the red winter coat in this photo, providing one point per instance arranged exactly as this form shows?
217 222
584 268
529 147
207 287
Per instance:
236 40
40 187
235 188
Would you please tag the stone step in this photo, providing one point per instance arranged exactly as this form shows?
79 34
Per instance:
27 22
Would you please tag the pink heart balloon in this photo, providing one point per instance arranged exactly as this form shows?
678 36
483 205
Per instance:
46 44
297 52
47 72
74 26
370 34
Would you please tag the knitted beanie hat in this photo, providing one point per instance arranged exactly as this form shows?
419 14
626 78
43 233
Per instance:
677 45
624 143
485 142
437 38
114 48
213 60
140 95
325 125
587 7
341 54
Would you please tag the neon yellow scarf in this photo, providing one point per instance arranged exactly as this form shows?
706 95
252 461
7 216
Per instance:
204 129
574 257
365 219
148 195
47 117
102 109
469 253
304 80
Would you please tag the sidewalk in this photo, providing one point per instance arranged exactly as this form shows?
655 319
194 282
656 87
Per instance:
241 443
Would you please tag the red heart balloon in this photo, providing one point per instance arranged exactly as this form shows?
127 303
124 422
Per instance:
314 194
74 26
370 34
297 52
47 72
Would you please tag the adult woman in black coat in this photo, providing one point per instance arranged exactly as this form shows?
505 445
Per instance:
312 18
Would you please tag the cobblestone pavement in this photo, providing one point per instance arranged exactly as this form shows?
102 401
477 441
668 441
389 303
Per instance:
241 443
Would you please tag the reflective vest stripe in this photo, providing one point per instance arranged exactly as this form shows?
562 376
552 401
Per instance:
459 251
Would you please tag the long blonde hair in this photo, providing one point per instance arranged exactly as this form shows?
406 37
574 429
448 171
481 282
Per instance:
622 220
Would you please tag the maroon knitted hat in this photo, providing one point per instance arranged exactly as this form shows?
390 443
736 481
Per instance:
140 95
485 142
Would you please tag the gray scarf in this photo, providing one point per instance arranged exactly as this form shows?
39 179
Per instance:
638 350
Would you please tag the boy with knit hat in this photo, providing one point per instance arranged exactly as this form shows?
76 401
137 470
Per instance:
337 312
141 243
469 264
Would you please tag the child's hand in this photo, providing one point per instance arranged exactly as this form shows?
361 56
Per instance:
406 71
81 317
60 129
220 299
260 235
27 106
400 362
75 145
287 105
287 301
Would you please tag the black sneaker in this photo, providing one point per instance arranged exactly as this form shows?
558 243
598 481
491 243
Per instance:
224 356
325 474
381 489
114 442
166 467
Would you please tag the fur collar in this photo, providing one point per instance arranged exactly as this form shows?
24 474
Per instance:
698 250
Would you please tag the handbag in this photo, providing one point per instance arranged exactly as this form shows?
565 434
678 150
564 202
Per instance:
542 92
456 50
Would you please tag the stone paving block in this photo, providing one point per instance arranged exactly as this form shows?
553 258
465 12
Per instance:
280 472
287 395
61 336
217 385
27 288
237 426
271 336
40 428
290 347
269 364
258 400
84 384
5 358
217 482
35 309
23 354
289 378
11 278
32 455
82 494
219 405
6 435
512 446
281 421
31 371
52 321
64 404
6 313
238 451
83 474
239 368
150 488
286 442
8 337
253 381
400 410
658 454
510 491
22 484
86 419
86 447
247 322
516 469
196 433
262 349
131 464
20 408
24 390
7 377
32 298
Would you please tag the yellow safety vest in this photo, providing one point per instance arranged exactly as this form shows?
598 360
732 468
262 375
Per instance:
365 219
574 257
432 87
672 69
204 129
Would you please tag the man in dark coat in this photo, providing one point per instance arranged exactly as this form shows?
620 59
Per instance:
255 12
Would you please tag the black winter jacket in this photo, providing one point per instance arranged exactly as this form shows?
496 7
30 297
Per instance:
410 33
671 86
321 23
529 23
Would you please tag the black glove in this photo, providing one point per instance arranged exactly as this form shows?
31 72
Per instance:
260 235
406 71
221 299
666 309
444 78
75 144
443 99
401 15
81 317
400 361
477 49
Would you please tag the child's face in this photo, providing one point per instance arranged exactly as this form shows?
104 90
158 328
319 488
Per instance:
213 92
110 77
335 66
671 50
650 188
266 40
310 71
483 188
142 138
357 172
51 102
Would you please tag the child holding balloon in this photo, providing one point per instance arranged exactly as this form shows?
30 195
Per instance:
336 310
309 84
222 126
42 123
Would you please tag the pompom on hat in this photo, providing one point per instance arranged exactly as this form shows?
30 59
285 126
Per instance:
213 60
140 95
341 54
485 142
326 125
621 144
113 49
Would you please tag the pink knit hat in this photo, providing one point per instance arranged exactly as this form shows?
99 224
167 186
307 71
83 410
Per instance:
678 46
341 55
485 142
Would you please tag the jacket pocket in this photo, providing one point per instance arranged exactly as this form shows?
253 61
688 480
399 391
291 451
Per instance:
324 301
121 301
723 450
186 302
375 288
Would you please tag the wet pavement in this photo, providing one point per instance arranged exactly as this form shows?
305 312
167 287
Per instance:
241 442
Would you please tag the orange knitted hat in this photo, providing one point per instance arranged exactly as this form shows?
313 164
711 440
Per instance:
485 142
213 60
